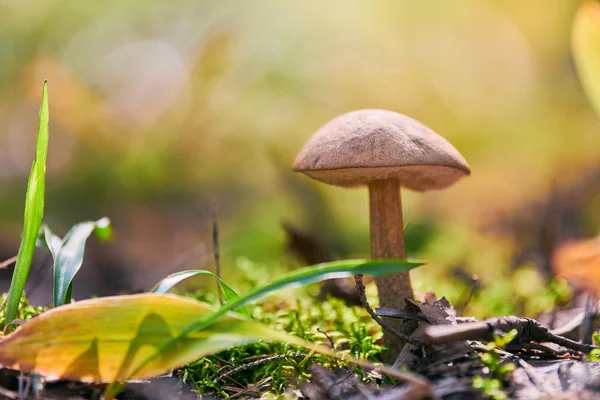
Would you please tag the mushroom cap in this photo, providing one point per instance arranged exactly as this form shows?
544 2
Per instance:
367 145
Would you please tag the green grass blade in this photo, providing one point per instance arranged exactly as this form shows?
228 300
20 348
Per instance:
300 277
34 212
170 281
69 259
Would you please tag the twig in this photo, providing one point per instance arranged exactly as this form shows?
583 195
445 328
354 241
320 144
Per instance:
474 286
215 240
9 394
224 361
569 326
528 330
400 314
8 262
360 288
264 360
542 349
414 315
332 346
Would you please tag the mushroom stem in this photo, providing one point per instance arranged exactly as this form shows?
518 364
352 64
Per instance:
387 235
387 241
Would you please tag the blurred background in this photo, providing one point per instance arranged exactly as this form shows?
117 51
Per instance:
160 110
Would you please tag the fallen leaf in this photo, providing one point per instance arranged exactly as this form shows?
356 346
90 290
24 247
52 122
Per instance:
578 262
438 312
103 339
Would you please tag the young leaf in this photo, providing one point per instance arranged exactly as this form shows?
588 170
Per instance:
170 281
50 240
104 339
300 277
34 211
586 50
69 257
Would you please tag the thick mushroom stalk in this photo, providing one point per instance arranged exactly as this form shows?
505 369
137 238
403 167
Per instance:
387 240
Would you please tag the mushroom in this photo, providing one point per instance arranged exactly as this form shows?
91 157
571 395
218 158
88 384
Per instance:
383 150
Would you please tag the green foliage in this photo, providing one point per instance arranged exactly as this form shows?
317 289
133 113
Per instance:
170 281
529 292
25 311
349 328
68 253
299 277
495 370
34 211
594 355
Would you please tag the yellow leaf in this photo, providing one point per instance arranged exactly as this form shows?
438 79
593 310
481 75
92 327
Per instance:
586 50
104 339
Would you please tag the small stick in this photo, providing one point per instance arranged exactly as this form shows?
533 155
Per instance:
215 240
474 286
9 394
528 330
8 262
400 314
360 288
437 334
337 365
569 326
260 362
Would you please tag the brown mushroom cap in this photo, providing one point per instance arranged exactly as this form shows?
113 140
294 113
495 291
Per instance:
366 145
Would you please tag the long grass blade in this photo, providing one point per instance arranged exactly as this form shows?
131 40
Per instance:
34 212
170 281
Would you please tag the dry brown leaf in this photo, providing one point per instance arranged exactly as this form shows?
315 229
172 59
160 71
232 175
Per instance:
578 262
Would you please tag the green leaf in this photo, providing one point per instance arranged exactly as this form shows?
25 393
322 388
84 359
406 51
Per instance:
300 277
586 50
170 281
103 230
104 339
594 355
68 258
34 211
48 239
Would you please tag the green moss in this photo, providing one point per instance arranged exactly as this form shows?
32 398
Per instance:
25 310
349 329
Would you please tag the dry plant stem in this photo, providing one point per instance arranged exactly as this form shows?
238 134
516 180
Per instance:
263 360
387 242
474 285
8 262
215 238
360 288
